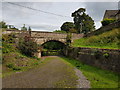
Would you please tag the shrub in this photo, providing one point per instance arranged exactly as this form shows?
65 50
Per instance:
28 46
106 55
107 21
36 63
16 68
10 65
68 39
9 38
36 58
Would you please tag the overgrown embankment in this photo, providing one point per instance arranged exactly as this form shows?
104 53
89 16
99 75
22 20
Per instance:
107 40
12 58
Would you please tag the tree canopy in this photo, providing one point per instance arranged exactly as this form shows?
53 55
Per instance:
83 22
24 28
68 27
3 24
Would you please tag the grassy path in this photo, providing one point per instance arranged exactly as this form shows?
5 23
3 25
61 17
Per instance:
54 72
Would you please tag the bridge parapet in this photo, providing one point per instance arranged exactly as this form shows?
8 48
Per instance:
42 37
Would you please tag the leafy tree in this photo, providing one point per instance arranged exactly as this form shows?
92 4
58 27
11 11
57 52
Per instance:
73 30
12 27
67 26
24 28
3 24
83 22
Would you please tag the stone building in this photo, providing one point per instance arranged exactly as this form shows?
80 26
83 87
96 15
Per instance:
112 14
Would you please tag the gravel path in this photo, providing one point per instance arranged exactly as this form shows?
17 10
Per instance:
83 82
55 73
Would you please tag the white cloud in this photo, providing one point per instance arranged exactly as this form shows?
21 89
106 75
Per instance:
60 0
18 16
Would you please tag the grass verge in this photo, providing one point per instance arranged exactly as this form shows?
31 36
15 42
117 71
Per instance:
99 78
16 62
107 40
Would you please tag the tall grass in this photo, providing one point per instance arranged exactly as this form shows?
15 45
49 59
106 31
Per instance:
108 40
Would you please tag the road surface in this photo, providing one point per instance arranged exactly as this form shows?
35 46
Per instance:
53 73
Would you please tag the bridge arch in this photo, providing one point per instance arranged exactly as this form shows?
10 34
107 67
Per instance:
52 47
53 41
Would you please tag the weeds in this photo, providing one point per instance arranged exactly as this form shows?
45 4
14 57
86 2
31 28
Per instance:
108 40
13 67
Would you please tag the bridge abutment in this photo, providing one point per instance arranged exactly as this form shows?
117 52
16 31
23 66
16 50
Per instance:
38 54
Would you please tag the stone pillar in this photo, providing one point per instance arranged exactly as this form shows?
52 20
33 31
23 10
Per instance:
38 54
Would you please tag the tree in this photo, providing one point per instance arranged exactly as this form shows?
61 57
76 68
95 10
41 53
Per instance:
83 22
67 26
24 28
12 27
29 30
3 24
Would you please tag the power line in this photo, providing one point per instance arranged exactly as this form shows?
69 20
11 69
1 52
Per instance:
37 10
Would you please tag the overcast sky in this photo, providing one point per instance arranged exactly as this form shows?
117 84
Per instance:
39 21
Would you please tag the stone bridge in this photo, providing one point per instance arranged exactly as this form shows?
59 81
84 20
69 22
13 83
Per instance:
43 37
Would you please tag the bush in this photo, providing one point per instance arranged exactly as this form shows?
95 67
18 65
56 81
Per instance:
9 38
28 46
107 21
16 68
106 55
8 43
11 66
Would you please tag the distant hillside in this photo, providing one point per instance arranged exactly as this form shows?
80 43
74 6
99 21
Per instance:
107 40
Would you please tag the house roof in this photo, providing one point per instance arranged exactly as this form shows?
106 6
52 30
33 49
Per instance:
111 13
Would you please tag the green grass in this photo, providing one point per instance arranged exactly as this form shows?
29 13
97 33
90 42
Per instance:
107 40
12 60
98 78
16 62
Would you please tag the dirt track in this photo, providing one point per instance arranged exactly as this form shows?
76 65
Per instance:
55 73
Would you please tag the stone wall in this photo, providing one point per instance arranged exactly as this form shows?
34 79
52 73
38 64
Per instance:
104 29
42 37
103 58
